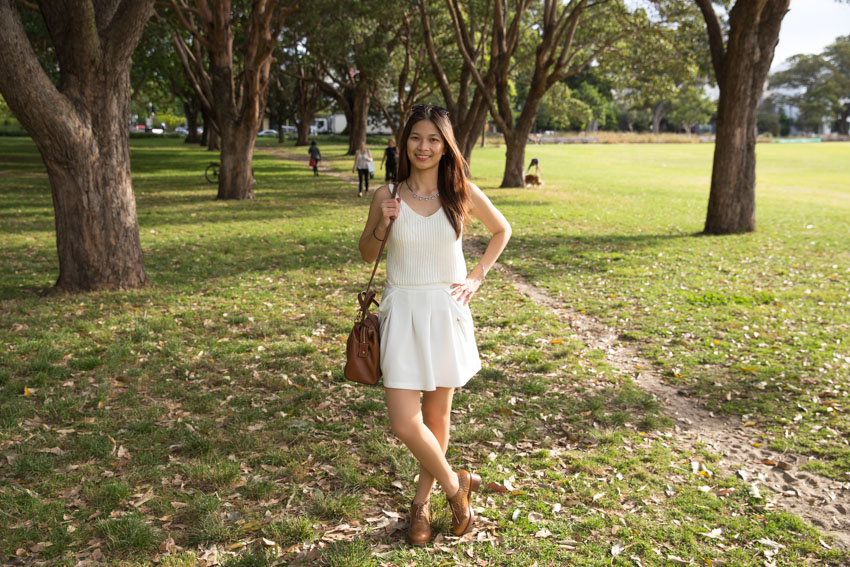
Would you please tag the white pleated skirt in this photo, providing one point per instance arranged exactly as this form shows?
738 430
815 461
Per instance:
427 339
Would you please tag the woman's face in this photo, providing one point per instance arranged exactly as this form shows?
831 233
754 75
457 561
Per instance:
391 143
362 147
425 145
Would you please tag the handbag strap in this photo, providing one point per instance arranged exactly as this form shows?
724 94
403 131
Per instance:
367 297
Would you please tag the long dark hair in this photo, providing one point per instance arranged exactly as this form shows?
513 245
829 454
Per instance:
452 182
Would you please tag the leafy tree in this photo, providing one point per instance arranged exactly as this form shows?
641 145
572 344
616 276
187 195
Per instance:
820 86
406 81
559 39
349 48
690 108
158 75
463 95
741 59
80 127
233 90
669 55
563 110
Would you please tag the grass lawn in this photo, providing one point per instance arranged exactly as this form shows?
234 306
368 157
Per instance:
206 418
757 324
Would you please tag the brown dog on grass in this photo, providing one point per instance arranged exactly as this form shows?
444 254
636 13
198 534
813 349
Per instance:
533 179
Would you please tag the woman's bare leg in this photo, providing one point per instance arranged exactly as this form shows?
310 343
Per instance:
405 413
436 414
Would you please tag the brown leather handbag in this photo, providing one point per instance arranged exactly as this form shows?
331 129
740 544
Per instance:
363 349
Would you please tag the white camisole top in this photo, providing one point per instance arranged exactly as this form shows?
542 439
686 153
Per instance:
424 250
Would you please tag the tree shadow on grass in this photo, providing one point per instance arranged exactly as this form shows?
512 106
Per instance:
590 253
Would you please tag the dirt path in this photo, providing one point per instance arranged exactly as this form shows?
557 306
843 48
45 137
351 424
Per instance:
821 501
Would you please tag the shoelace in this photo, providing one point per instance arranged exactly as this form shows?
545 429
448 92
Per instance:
455 518
419 510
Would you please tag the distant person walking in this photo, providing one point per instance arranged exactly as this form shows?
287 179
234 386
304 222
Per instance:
362 159
315 157
391 158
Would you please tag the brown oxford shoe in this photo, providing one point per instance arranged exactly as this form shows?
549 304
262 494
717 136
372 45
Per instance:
461 503
419 531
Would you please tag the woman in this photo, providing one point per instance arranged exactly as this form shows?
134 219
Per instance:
427 342
362 158
391 157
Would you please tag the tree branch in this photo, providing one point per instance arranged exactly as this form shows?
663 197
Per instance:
126 27
715 36
25 85
188 23
479 81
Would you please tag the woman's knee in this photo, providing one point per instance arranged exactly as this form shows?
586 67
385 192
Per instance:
404 427
436 417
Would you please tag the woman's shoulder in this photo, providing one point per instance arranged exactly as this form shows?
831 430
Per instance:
384 191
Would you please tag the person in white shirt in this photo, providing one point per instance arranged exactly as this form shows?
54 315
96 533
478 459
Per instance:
362 159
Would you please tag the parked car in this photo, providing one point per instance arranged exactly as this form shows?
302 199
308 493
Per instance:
268 132
182 130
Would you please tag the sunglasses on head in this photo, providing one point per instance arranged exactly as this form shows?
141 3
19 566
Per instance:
426 108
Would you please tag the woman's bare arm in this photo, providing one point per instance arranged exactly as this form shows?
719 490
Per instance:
383 208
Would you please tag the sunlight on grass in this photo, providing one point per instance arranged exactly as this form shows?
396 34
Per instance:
210 407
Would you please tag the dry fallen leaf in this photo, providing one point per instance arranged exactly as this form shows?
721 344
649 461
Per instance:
53 450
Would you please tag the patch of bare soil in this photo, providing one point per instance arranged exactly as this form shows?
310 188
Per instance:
821 501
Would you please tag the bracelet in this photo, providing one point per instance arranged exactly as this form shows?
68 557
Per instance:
376 237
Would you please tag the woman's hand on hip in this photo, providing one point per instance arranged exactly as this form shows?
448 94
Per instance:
463 292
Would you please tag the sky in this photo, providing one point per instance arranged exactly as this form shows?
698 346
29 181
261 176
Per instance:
809 26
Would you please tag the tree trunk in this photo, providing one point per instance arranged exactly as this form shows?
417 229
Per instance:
741 67
80 131
843 126
359 119
659 110
97 233
731 203
467 133
236 181
514 161
213 139
517 137
303 129
308 102
190 109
